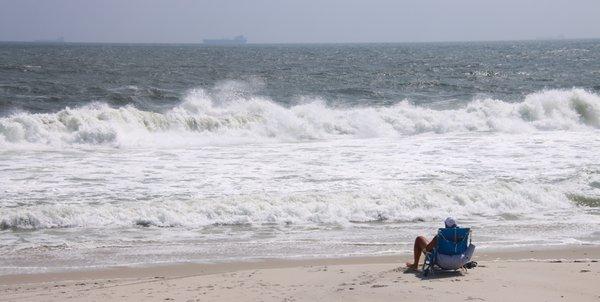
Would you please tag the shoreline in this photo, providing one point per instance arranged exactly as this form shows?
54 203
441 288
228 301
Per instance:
586 252
575 268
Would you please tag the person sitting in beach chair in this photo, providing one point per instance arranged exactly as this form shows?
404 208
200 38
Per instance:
450 249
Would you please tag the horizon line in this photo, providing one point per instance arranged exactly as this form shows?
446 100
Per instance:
548 39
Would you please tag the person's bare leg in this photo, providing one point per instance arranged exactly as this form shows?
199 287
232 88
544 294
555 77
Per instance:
421 244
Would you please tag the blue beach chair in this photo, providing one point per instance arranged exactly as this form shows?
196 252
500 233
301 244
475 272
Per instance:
453 247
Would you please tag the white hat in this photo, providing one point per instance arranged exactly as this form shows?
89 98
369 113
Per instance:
449 222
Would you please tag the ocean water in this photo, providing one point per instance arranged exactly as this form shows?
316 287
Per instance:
145 154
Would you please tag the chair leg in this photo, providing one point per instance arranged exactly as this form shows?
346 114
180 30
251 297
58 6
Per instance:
427 264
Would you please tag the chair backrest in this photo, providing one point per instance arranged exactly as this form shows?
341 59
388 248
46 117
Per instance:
453 241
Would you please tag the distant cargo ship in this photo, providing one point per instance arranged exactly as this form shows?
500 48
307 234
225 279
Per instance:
239 40
57 40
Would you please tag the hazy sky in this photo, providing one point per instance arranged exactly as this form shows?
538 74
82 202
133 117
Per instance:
283 21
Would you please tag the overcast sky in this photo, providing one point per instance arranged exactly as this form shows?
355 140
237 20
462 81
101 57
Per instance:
292 21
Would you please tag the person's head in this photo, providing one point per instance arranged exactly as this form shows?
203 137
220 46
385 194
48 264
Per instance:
450 223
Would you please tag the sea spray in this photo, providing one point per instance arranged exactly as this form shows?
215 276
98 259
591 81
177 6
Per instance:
203 119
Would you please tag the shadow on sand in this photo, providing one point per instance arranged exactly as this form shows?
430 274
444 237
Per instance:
436 274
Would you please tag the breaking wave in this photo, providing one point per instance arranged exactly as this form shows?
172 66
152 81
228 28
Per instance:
407 204
204 118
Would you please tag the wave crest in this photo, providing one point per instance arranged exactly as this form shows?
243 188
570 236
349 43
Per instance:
206 118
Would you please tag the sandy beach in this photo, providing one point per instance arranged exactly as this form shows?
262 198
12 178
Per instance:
560 274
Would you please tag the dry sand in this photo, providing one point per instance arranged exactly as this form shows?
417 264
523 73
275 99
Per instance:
565 274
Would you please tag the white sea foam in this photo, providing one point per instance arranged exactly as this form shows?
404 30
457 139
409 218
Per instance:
229 115
405 204
315 178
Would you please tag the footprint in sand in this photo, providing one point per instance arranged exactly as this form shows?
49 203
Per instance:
378 285
469 298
